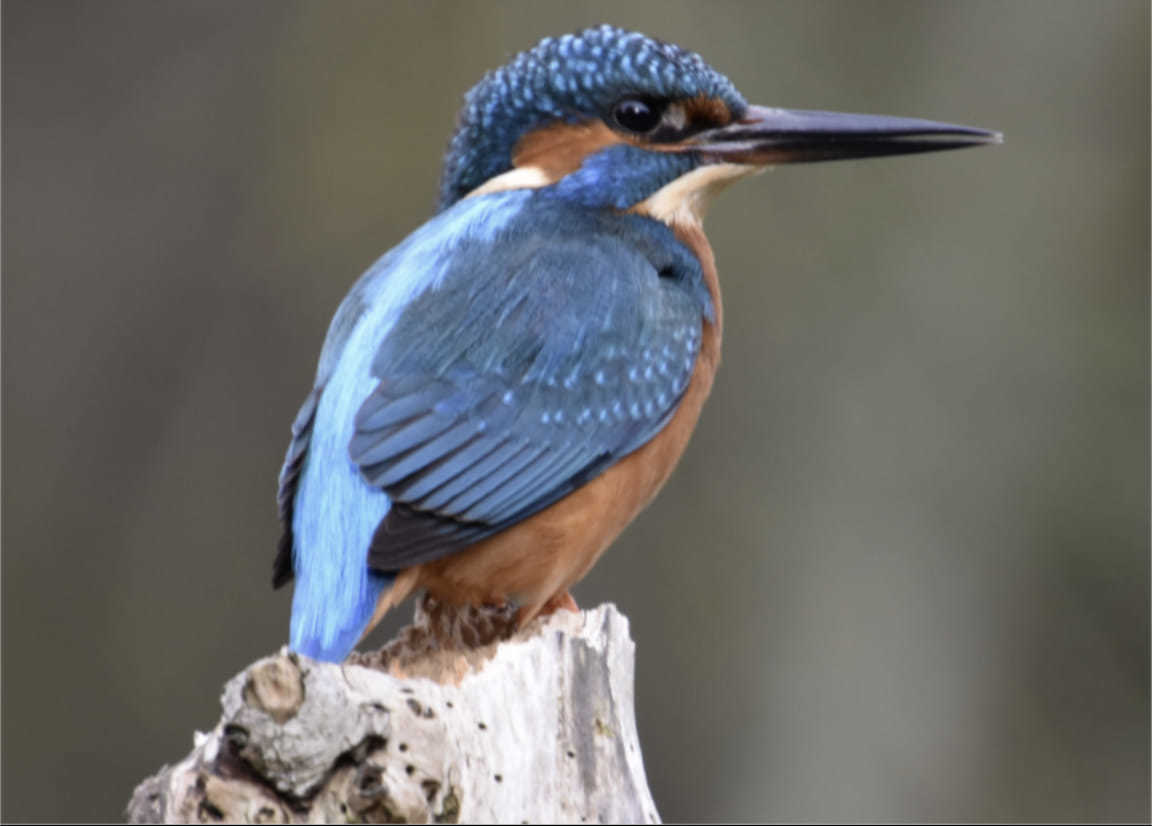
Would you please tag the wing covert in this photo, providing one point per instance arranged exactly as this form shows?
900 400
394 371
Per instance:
508 387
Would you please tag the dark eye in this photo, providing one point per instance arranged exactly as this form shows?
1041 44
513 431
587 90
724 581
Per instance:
637 115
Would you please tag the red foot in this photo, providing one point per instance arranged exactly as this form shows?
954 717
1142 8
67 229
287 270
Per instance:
562 601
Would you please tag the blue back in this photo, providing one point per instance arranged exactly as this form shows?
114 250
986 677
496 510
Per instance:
330 513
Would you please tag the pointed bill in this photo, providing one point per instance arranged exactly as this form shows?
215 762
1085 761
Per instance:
773 136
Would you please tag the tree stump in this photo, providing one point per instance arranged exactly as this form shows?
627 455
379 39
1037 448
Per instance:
537 728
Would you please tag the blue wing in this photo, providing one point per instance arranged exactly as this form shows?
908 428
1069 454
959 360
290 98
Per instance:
478 372
517 381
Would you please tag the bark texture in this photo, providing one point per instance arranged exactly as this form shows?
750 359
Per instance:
537 728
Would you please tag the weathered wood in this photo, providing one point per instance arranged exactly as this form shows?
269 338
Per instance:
538 728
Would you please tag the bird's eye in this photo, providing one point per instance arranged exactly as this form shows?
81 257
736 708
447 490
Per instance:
636 115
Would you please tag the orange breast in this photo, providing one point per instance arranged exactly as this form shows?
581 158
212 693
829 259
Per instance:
545 554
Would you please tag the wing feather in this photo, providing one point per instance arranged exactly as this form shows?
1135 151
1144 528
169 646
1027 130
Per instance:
521 375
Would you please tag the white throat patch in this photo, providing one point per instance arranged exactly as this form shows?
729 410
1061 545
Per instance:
681 202
684 201
522 177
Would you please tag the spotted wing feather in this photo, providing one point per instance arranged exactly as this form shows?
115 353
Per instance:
503 391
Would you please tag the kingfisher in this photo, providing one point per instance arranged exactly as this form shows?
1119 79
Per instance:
503 392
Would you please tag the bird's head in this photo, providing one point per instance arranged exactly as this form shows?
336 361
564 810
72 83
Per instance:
617 119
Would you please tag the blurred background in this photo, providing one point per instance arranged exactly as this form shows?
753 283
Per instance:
902 572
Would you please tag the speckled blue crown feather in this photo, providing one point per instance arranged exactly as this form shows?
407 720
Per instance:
572 78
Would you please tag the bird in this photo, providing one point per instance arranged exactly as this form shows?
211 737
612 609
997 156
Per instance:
502 393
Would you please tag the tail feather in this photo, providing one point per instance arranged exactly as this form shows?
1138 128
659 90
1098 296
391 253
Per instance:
331 630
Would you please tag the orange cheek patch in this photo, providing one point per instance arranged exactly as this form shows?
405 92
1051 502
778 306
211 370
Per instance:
707 112
560 148
545 155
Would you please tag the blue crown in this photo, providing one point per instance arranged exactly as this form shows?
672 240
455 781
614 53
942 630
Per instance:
571 78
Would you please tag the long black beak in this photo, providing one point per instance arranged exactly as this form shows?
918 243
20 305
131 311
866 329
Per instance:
772 136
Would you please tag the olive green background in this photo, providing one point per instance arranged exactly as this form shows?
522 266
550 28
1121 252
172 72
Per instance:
902 571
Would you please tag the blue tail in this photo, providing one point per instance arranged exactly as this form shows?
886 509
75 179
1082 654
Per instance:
336 592
328 627
333 519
